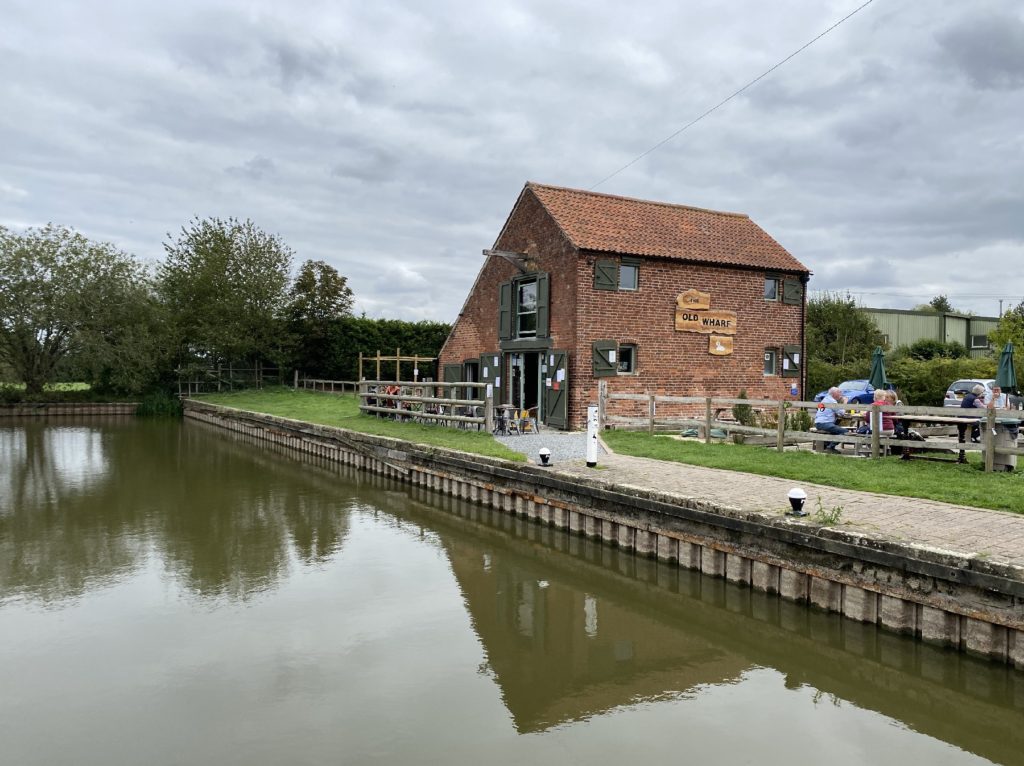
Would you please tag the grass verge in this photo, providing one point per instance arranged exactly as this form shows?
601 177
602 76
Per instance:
343 411
948 482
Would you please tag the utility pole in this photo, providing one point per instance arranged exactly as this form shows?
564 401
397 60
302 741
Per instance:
1000 307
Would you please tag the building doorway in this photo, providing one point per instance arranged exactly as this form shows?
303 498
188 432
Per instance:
526 389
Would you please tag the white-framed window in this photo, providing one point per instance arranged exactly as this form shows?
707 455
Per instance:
526 309
772 288
771 361
626 363
979 341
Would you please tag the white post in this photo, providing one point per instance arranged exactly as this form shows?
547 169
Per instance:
592 436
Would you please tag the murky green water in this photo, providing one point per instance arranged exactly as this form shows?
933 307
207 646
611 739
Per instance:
172 595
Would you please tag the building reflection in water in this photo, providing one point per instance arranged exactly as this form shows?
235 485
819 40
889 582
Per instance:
573 628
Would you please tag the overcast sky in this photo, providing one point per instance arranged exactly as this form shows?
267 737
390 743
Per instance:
391 139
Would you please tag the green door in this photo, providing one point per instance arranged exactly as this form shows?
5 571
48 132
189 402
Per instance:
556 389
490 373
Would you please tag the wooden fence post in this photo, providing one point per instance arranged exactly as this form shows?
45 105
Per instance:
489 410
651 406
780 439
876 426
602 403
378 365
296 383
990 425
707 420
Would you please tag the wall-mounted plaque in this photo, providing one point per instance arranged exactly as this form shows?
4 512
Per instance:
694 299
720 345
708 322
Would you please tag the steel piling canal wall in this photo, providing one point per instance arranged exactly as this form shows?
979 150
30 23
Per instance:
937 596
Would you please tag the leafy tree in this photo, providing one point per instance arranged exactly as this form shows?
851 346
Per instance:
225 284
939 305
838 332
318 297
65 299
319 293
1011 330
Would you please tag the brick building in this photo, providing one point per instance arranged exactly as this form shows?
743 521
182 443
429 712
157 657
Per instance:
652 297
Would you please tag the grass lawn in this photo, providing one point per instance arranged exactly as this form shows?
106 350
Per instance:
343 411
948 482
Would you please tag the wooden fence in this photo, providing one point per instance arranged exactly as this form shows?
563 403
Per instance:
706 413
419 402
327 386
226 378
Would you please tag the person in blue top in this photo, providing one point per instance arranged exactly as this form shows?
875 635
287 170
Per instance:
974 400
825 419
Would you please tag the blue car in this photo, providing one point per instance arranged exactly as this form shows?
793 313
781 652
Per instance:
855 391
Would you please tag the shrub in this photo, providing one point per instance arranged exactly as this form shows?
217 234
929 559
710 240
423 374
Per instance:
743 413
928 348
159 404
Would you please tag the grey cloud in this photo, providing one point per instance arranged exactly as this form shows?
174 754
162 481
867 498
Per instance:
988 49
254 169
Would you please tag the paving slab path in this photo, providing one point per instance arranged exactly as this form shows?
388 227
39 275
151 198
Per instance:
993 536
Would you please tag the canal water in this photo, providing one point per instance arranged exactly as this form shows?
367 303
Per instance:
173 594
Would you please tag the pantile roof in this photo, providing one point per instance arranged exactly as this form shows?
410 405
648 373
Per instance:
607 223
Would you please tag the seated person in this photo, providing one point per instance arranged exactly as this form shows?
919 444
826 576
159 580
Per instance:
974 400
825 419
996 399
888 424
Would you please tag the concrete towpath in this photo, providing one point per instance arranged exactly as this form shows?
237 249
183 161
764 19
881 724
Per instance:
992 536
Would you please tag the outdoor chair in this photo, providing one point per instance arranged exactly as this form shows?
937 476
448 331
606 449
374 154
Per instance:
526 421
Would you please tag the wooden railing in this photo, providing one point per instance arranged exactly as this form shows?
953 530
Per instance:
706 413
419 402
326 386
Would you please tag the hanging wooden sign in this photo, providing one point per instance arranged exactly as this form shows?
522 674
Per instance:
720 345
694 299
708 322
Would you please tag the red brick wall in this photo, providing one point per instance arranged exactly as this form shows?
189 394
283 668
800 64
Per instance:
678 363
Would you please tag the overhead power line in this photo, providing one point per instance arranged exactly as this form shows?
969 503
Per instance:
726 100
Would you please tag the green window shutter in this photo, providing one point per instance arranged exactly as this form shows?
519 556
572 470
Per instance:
452 374
791 360
792 292
543 312
505 311
606 275
603 351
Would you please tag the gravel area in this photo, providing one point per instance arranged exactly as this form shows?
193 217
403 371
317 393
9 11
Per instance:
564 445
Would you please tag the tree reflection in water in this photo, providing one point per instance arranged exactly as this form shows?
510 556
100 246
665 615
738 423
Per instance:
88 505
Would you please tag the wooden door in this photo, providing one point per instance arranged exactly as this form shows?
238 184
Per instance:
491 373
556 389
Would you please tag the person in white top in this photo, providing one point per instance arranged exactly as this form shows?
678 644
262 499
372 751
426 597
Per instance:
996 399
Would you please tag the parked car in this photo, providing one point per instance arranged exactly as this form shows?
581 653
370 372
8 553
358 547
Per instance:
958 389
855 391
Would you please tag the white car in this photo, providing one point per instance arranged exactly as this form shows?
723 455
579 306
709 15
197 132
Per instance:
958 389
